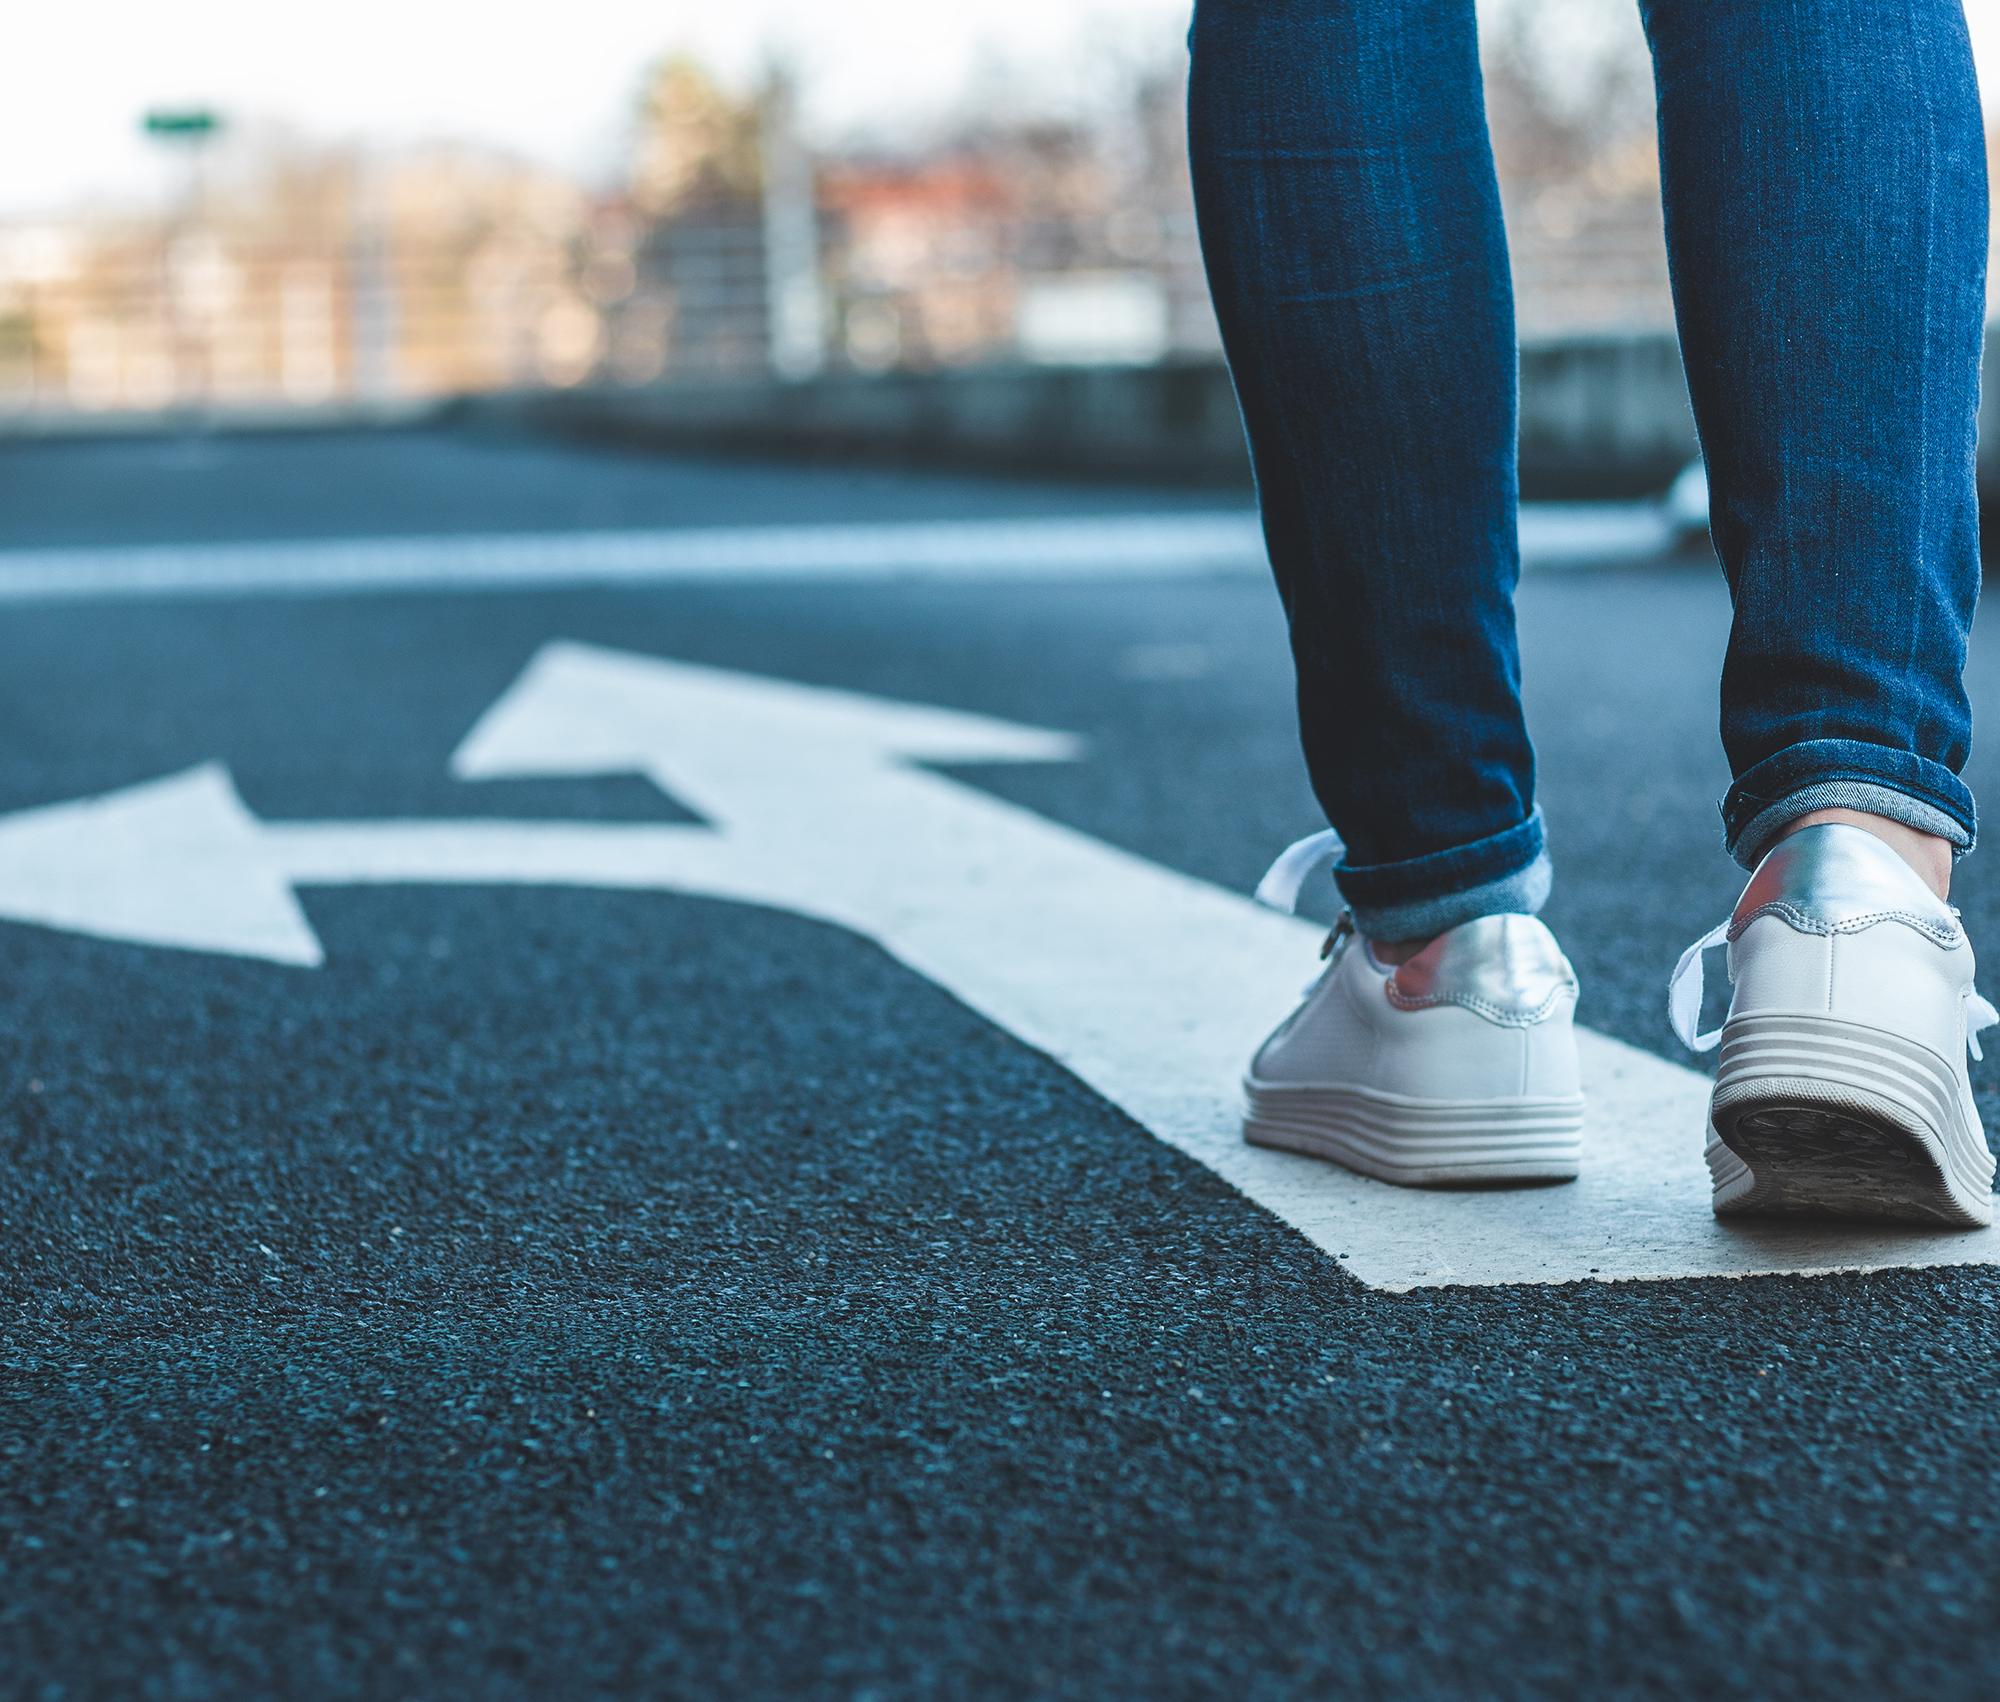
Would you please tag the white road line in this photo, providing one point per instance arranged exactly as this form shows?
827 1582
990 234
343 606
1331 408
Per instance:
1151 546
1155 546
1589 534
1149 986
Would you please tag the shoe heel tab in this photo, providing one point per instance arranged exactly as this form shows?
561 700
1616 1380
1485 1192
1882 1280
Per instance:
1508 968
1834 877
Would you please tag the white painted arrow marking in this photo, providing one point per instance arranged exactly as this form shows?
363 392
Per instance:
180 862
1148 985
175 862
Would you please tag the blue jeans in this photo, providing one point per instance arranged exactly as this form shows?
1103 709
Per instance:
1823 171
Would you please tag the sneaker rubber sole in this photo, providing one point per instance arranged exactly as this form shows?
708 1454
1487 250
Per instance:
1813 1117
1420 1143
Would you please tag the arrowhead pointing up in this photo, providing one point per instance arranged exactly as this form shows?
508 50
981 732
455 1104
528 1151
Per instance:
173 862
582 709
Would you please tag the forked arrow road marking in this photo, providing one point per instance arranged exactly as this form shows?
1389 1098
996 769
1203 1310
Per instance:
1150 986
181 862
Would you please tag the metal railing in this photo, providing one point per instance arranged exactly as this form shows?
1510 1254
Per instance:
178 312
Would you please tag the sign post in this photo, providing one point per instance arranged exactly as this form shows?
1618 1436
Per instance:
191 129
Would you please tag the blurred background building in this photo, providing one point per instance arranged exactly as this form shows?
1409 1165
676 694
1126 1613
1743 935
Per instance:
733 240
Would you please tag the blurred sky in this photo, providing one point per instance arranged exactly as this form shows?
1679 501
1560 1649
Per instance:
554 81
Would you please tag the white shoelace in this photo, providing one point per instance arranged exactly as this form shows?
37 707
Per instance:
1684 994
1286 878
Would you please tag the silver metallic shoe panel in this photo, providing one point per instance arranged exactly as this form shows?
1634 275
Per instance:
1836 879
1507 968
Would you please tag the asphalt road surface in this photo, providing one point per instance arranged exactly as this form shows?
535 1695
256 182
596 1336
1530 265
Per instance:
577 1292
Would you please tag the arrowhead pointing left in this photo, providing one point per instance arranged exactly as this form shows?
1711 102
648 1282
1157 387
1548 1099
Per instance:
172 862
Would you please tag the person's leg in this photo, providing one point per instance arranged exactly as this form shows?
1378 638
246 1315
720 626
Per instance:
1350 222
1351 225
1824 175
1823 167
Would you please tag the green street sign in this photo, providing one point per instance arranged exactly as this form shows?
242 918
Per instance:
189 122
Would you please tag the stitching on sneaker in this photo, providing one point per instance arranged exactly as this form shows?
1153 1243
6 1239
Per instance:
1483 1007
1937 933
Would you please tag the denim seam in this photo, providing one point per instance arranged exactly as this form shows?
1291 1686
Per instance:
1871 795
1456 867
1522 891
1817 762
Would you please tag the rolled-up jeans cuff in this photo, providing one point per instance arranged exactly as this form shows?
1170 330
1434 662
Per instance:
1504 874
1844 774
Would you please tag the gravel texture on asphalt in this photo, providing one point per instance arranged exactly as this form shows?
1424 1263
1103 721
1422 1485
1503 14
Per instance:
579 1294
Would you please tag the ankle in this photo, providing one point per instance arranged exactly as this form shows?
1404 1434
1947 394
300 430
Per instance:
1393 954
1929 855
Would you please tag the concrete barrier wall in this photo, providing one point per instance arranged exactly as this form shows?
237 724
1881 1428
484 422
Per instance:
1170 422
229 418
1604 417
1599 417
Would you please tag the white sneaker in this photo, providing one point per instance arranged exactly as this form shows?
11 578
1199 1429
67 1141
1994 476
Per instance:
1843 1089
1458 1067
